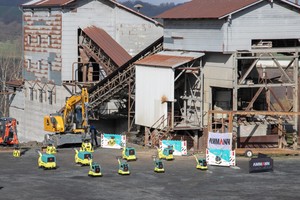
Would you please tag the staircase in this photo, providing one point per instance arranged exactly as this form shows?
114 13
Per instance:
158 131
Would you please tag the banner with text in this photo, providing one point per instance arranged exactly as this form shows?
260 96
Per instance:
219 149
113 141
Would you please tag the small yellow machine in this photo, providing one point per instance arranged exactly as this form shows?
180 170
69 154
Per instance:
166 153
87 146
128 153
83 157
16 152
123 167
159 166
201 163
50 149
46 161
95 169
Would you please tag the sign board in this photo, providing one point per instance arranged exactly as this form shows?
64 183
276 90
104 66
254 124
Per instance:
113 141
179 146
219 149
261 164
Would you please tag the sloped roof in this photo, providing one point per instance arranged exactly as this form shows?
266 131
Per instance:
169 59
210 9
117 53
60 3
38 3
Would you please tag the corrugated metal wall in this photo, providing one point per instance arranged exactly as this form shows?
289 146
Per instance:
132 32
194 35
152 84
262 21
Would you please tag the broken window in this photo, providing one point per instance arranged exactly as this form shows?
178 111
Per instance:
39 40
31 93
49 40
28 39
41 95
28 64
39 65
50 97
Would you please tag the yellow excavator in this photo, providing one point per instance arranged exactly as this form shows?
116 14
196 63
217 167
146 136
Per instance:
69 126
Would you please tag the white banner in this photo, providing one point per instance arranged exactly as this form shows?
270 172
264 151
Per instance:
219 141
219 149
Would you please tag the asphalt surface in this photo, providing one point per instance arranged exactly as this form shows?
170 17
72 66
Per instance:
20 178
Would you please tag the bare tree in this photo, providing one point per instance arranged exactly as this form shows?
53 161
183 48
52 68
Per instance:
10 69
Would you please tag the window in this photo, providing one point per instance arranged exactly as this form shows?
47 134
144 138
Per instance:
28 64
39 65
49 12
39 40
29 39
50 97
49 70
41 95
31 93
49 40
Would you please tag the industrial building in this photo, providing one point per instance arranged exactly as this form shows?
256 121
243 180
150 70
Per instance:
227 55
224 65
67 44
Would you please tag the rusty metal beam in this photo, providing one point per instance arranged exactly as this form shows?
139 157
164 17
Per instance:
258 92
248 71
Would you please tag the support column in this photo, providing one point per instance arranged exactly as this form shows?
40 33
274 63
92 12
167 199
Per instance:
196 144
147 131
235 83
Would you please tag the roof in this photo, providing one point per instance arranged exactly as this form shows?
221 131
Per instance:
15 83
169 59
60 3
44 3
117 53
210 9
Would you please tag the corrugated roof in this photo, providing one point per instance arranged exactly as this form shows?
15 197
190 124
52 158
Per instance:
59 3
168 59
37 3
206 9
117 53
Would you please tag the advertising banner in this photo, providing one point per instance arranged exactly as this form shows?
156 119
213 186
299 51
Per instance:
219 149
179 146
113 141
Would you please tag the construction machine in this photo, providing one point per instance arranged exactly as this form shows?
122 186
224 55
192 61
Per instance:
8 131
70 126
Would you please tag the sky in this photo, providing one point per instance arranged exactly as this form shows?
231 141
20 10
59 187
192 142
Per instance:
157 2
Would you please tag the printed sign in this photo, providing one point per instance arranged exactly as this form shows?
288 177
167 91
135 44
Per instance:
260 164
219 149
179 147
113 141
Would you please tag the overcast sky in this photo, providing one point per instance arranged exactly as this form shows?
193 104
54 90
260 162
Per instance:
157 2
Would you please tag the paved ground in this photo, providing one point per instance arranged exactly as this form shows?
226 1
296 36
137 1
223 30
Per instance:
20 178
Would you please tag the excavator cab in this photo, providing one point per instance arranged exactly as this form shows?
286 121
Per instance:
70 124
8 131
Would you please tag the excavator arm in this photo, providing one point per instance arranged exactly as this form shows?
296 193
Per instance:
60 123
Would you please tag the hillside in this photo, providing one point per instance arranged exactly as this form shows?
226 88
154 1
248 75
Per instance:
149 9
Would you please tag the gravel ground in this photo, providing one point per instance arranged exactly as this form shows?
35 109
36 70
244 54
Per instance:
22 179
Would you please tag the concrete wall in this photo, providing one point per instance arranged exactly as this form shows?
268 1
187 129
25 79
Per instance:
31 112
42 24
218 72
